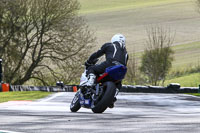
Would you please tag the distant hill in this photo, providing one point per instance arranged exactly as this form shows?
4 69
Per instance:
132 17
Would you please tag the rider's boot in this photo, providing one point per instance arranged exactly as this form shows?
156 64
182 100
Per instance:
112 104
91 79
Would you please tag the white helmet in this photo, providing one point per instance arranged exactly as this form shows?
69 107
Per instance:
119 38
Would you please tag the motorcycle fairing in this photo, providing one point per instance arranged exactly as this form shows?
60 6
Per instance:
84 102
117 72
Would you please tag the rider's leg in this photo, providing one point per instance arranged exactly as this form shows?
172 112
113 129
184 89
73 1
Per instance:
96 70
91 79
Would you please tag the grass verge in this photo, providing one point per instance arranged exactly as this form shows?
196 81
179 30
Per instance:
191 80
26 95
194 94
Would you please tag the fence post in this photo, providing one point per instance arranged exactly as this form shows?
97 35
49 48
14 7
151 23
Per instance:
75 89
1 73
199 89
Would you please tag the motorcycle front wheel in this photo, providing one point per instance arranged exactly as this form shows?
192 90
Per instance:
75 104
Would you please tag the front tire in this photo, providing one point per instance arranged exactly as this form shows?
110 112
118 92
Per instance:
75 104
107 99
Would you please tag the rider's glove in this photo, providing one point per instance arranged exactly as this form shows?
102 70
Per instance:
88 64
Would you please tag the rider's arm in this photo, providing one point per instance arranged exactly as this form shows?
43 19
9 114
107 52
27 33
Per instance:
99 53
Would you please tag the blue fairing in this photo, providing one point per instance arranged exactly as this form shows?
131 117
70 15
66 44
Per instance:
84 102
117 72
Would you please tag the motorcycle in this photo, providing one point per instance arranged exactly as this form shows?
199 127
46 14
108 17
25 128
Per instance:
102 95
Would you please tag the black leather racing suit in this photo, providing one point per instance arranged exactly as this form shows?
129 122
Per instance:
115 55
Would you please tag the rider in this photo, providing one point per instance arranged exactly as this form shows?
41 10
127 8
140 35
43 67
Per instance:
115 53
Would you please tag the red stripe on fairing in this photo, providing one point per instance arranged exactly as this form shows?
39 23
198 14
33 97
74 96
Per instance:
101 77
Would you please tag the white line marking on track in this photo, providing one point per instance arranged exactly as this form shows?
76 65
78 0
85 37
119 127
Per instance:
52 97
14 103
4 131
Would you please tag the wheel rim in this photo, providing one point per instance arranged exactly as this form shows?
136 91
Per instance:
94 103
75 99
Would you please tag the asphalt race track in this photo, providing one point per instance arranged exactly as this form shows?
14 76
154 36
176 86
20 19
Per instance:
133 113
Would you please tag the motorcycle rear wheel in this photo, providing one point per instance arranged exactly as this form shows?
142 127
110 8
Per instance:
107 98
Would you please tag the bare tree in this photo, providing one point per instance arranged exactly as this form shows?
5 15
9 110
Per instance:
198 5
131 76
157 58
43 40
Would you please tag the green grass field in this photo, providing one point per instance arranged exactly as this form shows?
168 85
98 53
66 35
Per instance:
26 95
98 6
186 55
131 17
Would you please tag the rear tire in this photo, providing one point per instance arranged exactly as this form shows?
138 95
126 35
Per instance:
107 99
75 104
